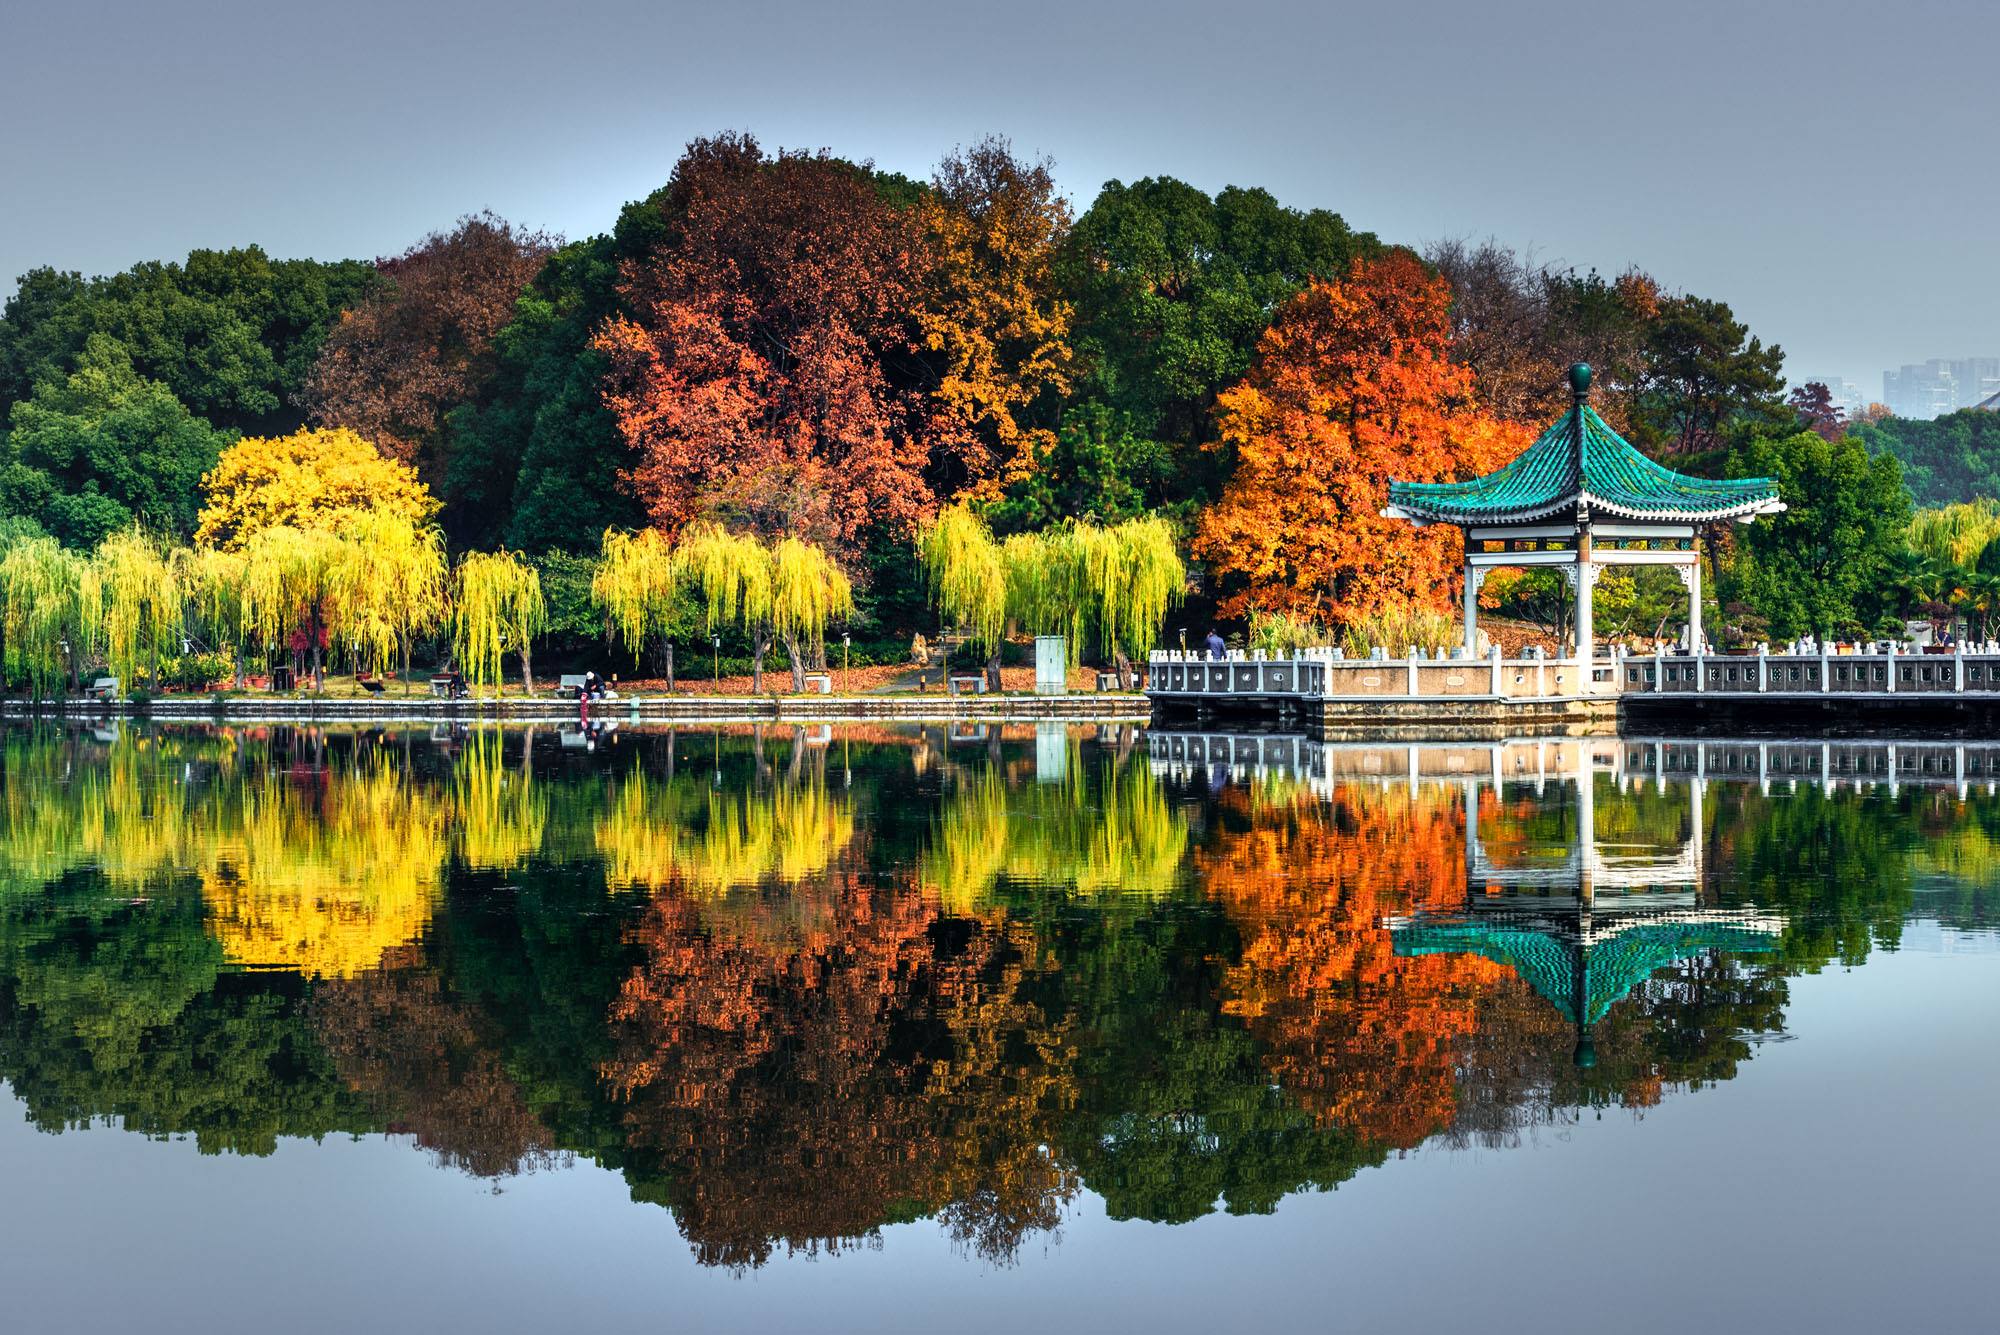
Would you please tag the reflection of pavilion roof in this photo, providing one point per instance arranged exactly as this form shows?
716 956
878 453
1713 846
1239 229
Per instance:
1580 460
1581 968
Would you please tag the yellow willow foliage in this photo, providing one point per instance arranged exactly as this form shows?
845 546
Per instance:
52 611
967 573
323 882
1123 839
1133 573
1046 589
496 607
292 578
807 592
391 584
213 582
498 813
635 583
143 603
129 817
1953 536
744 839
731 571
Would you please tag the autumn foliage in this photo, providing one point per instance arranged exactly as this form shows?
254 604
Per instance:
396 364
1353 387
1359 1035
756 371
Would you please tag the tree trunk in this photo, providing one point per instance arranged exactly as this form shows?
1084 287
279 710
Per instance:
760 644
1125 673
992 670
319 682
669 656
798 665
527 668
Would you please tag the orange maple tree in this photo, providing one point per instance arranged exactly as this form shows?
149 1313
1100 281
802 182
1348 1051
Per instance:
1353 386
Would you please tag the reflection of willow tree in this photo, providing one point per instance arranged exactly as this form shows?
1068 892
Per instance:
1110 834
122 810
1363 1038
428 1063
498 813
114 1006
804 1077
658 832
322 876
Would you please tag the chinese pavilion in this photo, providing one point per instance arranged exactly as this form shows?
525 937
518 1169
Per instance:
1578 499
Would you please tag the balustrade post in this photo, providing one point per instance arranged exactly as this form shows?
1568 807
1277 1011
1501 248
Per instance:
1889 673
1410 670
1763 668
1495 656
1958 669
1659 668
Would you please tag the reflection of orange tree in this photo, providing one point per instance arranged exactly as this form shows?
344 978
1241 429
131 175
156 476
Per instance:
1355 1033
805 1074
397 1036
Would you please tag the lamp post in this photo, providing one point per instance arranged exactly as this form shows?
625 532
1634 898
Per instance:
715 668
844 641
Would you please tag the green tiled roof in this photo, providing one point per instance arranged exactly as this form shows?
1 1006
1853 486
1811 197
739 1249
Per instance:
1608 970
1581 461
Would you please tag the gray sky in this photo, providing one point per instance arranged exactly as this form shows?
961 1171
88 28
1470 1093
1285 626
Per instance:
1827 168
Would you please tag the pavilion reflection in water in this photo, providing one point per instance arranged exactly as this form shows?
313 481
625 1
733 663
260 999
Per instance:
1582 912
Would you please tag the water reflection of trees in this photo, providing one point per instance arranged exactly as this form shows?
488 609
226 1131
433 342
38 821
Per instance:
797 989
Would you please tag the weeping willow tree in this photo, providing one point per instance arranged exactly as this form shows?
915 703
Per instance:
967 572
733 574
212 581
50 606
1110 587
143 602
292 586
496 606
393 587
1954 537
807 592
636 586
1133 573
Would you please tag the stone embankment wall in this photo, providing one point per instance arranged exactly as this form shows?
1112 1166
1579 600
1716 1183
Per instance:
307 708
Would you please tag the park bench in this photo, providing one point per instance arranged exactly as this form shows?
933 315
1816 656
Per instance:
974 684
104 688
570 685
820 681
448 686
372 685
1108 681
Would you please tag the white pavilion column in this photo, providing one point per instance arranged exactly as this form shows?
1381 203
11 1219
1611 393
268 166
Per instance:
1474 577
1693 578
1584 632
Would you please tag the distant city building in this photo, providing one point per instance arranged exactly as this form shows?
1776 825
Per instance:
1847 395
1940 386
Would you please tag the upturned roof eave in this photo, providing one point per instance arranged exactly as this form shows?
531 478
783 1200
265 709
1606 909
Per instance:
1406 507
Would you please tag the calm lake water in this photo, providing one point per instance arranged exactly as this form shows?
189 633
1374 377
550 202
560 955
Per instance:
985 1029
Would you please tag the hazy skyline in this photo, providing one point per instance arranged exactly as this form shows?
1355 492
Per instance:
1823 168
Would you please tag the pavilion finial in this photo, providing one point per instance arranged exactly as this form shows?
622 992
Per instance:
1579 380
